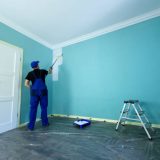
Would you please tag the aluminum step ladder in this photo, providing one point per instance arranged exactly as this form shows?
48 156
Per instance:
128 108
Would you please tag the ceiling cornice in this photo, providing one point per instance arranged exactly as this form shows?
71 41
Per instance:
24 32
124 24
129 22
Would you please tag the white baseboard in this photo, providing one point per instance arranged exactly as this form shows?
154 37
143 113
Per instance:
101 120
25 124
80 117
90 118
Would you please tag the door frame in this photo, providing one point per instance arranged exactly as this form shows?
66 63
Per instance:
20 79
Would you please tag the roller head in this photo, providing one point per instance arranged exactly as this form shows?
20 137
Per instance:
58 57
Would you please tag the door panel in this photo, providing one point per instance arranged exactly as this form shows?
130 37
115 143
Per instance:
6 85
7 60
10 70
5 117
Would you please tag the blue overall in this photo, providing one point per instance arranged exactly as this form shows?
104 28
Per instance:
39 94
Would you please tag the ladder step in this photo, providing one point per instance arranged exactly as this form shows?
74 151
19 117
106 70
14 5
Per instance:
133 119
131 101
141 113
125 111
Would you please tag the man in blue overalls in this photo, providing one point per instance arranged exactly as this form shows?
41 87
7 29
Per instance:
39 94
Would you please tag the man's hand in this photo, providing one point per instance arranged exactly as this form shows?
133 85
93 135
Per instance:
50 70
27 83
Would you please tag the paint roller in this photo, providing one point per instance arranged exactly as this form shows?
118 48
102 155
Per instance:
60 56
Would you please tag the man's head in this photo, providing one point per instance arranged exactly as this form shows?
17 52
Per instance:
34 64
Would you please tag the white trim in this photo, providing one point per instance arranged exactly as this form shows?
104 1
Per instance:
101 120
20 84
124 24
84 117
24 32
25 124
90 118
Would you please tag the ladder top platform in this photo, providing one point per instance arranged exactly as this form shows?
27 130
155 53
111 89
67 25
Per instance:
132 101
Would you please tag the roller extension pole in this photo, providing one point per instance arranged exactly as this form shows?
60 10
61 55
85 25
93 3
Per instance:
56 61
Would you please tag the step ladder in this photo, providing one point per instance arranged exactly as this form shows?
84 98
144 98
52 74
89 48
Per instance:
128 108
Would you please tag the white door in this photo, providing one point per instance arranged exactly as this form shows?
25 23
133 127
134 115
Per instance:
10 86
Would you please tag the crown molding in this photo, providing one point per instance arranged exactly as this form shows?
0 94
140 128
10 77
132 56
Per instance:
24 32
124 24
118 26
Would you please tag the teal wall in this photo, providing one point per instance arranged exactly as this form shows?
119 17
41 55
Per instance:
97 75
32 50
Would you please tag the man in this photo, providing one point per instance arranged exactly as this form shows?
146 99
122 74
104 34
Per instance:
38 94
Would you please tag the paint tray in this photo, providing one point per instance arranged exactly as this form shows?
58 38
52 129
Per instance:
82 123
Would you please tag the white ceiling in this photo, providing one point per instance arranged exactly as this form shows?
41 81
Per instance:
57 21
